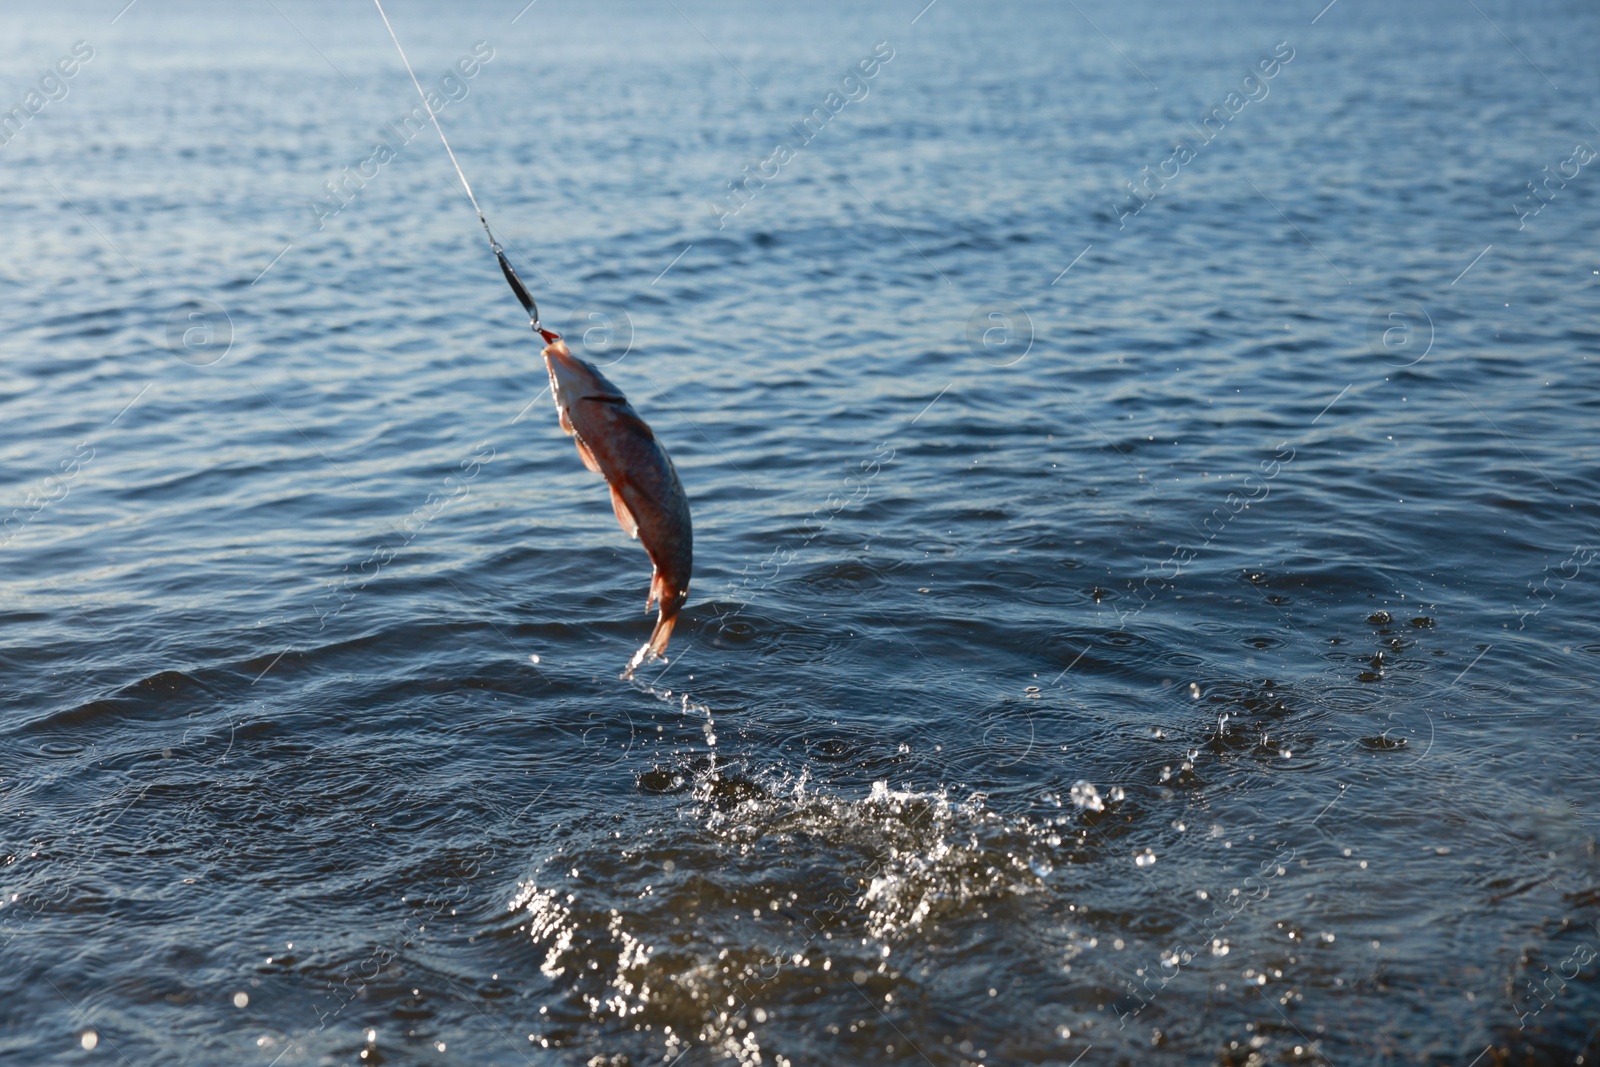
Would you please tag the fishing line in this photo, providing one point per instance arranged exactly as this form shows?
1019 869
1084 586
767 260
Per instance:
520 290
670 550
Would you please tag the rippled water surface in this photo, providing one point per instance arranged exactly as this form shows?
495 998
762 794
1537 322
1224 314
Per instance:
1144 606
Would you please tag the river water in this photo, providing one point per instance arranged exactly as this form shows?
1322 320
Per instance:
1144 475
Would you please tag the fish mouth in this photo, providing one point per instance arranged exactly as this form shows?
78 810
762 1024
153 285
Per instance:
564 367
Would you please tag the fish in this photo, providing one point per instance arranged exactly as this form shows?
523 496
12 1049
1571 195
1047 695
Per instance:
646 494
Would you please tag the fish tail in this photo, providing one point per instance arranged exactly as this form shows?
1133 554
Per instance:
663 630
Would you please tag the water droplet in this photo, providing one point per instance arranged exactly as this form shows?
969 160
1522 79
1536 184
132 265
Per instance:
533 659
1086 796
90 1039
241 1000
1145 858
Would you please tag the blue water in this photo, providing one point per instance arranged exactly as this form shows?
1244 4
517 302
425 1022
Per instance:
1126 628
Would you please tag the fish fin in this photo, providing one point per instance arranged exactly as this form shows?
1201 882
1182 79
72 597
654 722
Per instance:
565 418
625 519
655 590
588 459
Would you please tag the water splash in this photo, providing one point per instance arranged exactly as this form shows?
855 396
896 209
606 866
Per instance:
764 889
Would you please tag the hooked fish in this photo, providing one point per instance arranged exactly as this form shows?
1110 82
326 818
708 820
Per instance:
612 439
649 501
